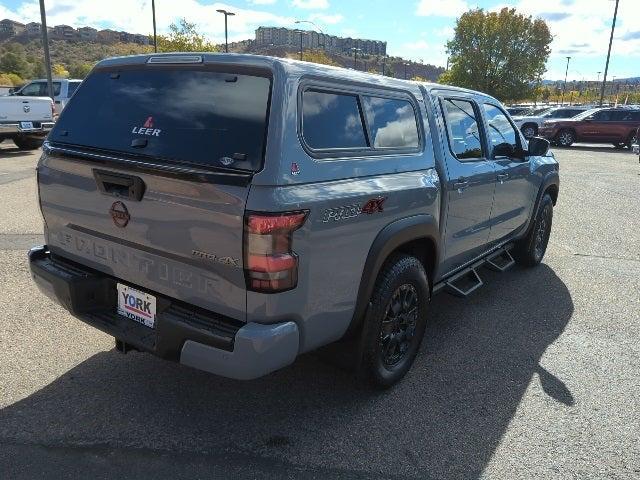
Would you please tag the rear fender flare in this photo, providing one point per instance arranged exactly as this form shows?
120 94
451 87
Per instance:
388 240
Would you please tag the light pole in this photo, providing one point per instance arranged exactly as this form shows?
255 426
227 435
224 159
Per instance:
606 66
226 34
155 38
301 33
355 57
405 70
564 88
384 65
45 46
319 29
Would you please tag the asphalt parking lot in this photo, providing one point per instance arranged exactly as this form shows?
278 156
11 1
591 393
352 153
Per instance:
537 375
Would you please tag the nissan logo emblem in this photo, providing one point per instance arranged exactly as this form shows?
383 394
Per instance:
26 108
119 214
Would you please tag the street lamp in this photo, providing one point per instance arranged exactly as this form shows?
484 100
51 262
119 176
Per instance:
564 88
155 38
301 32
226 34
355 51
606 66
319 29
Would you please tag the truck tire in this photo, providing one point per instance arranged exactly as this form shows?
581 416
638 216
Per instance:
633 138
396 322
565 138
26 143
530 250
529 130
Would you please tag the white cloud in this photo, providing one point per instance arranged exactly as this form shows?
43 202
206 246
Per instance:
441 8
421 51
328 19
311 4
262 2
135 17
582 28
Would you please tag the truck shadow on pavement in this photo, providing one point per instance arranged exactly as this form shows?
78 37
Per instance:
445 420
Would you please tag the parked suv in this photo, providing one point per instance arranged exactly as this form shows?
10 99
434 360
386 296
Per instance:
231 212
617 126
529 124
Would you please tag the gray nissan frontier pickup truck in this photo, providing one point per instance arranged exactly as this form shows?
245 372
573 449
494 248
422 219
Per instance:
231 212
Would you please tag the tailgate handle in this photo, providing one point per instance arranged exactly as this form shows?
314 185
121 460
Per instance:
119 185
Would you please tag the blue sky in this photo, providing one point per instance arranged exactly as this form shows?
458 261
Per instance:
416 29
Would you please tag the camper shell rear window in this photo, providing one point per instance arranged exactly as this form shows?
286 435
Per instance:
178 114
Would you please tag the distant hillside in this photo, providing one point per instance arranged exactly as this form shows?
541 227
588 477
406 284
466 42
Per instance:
72 59
394 65
76 58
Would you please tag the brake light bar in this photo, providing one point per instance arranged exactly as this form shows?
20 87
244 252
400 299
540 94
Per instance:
270 263
168 59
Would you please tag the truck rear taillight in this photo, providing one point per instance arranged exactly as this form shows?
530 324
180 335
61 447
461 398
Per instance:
270 264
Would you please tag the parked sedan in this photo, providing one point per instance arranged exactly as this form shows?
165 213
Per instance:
617 126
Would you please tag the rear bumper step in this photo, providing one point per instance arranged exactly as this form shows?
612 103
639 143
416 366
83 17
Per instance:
194 337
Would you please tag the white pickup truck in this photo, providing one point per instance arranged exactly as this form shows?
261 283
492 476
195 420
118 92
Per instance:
26 120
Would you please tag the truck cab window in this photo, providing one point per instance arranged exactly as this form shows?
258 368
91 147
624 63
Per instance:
499 128
31 90
462 129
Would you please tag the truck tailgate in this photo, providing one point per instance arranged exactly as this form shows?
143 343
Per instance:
146 174
23 109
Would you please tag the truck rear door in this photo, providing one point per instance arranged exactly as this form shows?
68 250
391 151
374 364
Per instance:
470 180
146 174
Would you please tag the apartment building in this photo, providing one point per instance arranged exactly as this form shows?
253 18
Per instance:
267 36
10 28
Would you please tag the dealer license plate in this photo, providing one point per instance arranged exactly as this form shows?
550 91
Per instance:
136 305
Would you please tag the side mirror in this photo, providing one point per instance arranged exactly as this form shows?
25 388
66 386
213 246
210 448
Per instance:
503 150
538 146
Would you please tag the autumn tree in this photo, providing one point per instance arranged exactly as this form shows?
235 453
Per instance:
501 53
79 70
318 56
59 71
184 37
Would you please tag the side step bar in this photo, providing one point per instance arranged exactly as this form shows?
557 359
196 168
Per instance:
500 261
468 280
464 283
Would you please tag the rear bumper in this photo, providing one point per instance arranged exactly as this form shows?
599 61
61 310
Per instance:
191 336
14 128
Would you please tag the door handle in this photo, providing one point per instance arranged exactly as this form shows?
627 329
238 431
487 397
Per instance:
502 177
460 185
119 185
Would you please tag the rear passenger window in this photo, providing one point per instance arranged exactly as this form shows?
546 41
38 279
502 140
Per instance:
332 120
392 123
462 129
